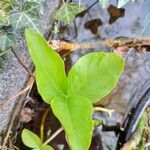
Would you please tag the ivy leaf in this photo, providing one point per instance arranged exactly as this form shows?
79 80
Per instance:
75 114
50 71
67 12
122 3
104 3
30 139
27 17
95 75
37 1
40 5
6 40
9 1
4 21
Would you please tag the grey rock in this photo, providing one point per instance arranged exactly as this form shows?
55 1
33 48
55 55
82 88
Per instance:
14 77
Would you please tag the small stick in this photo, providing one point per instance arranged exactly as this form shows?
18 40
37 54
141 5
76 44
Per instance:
17 110
117 42
54 135
21 63
28 88
42 124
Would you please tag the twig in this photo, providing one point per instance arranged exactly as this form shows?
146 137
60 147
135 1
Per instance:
137 42
42 124
21 63
5 104
53 136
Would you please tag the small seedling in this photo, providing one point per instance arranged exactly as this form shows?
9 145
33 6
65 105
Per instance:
71 96
32 140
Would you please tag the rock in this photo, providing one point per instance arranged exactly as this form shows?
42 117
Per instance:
14 76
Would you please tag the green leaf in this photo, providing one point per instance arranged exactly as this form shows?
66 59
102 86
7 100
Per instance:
27 17
104 3
46 147
122 3
6 40
75 114
95 75
10 1
30 139
4 21
50 71
67 12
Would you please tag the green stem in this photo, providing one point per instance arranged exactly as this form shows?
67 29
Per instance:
109 111
42 124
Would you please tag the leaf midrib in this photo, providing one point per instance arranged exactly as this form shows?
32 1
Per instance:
51 81
30 21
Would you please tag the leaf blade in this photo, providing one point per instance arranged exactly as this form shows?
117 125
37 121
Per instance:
7 40
95 75
30 139
46 147
27 17
75 114
67 12
50 71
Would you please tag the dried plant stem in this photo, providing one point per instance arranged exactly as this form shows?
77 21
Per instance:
118 42
5 104
42 124
23 94
53 136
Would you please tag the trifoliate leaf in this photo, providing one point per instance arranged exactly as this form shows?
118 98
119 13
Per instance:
67 12
27 17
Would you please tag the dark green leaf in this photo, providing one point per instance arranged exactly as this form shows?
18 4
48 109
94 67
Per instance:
95 75
27 17
30 139
4 21
67 12
75 114
6 40
50 71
